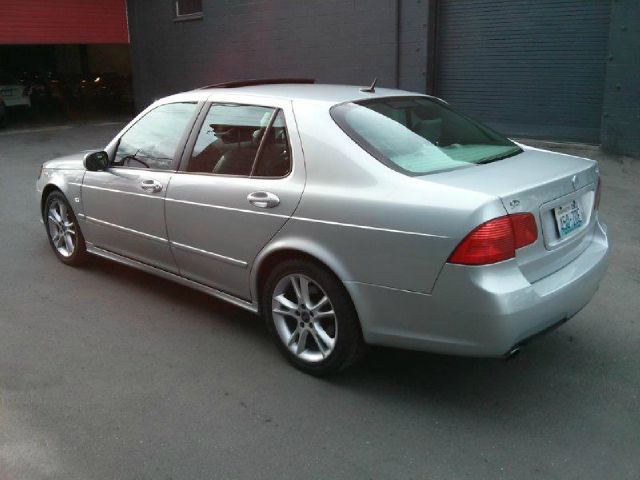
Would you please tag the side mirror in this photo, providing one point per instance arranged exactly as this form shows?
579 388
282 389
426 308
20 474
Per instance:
96 161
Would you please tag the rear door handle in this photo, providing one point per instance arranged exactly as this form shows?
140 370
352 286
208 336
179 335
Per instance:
151 186
263 199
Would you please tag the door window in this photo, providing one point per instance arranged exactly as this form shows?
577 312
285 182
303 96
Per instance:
152 142
232 136
275 159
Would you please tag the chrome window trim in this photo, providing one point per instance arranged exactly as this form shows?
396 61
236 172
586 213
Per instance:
144 169
230 175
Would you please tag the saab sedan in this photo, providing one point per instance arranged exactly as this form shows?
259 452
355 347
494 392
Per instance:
344 216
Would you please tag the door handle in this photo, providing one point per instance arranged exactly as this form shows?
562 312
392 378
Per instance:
263 199
151 186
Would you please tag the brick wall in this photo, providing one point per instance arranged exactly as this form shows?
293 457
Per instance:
334 41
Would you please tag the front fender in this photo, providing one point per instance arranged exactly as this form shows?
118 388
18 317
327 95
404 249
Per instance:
69 182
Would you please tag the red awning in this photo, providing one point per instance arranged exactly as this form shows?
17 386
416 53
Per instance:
63 21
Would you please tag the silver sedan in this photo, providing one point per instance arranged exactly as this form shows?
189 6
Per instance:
344 216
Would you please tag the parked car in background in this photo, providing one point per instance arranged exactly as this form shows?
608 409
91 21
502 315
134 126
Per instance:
13 92
345 216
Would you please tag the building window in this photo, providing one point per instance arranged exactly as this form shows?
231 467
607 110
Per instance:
188 9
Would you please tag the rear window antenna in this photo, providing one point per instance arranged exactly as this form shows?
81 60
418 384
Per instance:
371 88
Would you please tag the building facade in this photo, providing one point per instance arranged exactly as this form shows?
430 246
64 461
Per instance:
562 70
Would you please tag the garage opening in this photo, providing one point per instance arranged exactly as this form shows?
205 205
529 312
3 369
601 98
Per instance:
42 84
64 61
532 69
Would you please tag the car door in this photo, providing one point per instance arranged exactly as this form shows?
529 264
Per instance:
124 205
241 178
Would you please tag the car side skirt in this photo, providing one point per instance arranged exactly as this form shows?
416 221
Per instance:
238 302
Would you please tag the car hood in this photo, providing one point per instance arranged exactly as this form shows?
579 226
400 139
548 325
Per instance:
68 162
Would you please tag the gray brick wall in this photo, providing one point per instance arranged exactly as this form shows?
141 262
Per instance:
353 41
621 110
413 45
334 41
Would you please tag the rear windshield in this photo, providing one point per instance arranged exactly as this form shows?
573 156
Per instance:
420 135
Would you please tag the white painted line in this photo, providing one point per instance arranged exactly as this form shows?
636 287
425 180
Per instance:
107 124
36 130
60 127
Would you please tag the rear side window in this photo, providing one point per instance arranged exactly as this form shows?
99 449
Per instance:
152 142
243 140
274 159
419 135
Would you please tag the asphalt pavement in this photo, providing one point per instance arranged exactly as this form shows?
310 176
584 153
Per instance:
110 373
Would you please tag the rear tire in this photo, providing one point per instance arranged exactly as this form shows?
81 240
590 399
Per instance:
63 230
311 318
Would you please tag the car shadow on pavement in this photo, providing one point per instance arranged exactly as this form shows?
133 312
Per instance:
547 370
554 371
156 289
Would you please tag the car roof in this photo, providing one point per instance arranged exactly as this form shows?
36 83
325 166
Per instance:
326 93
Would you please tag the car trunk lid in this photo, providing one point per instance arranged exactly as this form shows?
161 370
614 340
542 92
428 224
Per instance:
551 186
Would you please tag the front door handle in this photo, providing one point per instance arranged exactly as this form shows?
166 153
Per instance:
151 186
263 199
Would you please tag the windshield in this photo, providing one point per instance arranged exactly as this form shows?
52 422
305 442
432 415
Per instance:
419 135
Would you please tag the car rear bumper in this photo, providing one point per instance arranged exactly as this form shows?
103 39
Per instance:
480 311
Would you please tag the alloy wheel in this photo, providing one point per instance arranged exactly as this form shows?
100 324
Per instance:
304 318
62 229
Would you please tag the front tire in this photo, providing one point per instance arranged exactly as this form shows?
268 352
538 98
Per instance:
311 318
63 230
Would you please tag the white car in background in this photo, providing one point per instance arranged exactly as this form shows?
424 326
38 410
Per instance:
13 94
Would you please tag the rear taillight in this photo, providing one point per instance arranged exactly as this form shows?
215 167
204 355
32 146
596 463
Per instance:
525 229
496 240
596 198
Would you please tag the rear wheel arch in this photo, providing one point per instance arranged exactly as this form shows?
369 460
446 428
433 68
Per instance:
269 261
348 347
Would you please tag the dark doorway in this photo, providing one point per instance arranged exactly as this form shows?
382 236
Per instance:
52 84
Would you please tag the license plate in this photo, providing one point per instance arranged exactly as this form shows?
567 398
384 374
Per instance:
568 218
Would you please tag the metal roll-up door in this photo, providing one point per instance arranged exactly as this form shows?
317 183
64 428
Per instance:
526 67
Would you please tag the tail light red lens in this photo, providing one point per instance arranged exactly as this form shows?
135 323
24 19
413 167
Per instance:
496 240
525 230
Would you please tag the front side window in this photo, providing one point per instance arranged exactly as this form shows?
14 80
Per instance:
419 135
152 142
232 137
